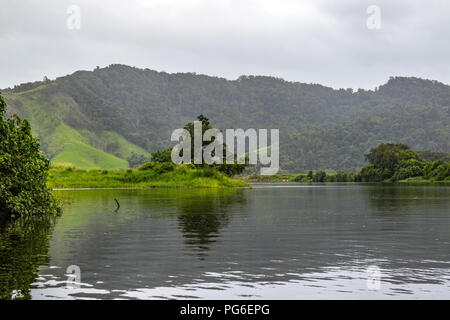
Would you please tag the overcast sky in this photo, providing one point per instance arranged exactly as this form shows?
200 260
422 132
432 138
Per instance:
319 41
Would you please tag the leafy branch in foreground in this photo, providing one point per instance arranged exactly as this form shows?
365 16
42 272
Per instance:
23 170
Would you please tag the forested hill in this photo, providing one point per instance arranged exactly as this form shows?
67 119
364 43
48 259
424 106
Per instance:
99 118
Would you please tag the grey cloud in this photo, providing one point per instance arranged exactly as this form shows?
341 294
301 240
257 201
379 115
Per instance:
322 41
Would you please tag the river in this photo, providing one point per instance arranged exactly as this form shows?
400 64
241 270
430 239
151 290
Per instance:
275 241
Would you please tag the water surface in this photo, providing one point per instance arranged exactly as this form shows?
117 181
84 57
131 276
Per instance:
276 241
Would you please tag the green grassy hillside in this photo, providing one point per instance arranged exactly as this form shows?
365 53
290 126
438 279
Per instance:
70 146
86 148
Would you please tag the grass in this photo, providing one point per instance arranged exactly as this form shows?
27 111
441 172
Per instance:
124 148
268 178
291 178
73 147
421 180
64 143
67 176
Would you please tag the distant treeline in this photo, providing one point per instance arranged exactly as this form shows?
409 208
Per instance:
320 128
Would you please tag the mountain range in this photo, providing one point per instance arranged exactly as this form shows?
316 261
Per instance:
99 118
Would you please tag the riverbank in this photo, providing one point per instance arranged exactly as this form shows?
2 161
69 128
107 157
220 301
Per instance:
320 176
421 180
252 178
62 178
329 177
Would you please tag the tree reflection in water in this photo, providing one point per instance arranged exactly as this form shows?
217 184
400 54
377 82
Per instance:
204 214
24 245
387 198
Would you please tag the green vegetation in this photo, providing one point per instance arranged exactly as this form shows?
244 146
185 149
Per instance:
160 172
387 163
54 116
228 169
319 176
321 128
23 170
159 167
249 178
397 162
77 150
162 155
322 176
149 175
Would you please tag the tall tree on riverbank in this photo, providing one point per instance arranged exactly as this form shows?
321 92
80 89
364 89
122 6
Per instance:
391 161
23 170
229 169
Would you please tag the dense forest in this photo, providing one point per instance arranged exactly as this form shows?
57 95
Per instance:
109 117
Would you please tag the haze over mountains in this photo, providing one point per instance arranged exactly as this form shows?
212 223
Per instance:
99 118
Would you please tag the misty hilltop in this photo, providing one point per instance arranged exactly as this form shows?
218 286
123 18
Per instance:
100 118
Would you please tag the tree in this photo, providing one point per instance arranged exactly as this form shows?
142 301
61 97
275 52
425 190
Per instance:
23 170
320 176
229 169
342 176
391 161
190 128
204 120
387 155
384 160
162 155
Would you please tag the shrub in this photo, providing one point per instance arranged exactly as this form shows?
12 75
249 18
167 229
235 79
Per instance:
184 168
371 174
438 170
342 176
158 167
301 178
320 176
162 155
429 170
23 170
443 171
207 173
407 169
353 177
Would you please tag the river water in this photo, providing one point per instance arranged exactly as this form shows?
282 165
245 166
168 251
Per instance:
275 241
